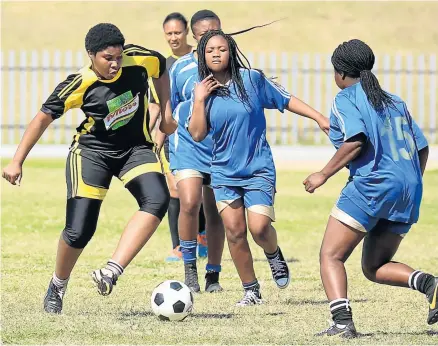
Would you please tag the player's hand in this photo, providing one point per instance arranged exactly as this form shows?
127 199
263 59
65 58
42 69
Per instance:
313 181
13 173
206 87
324 124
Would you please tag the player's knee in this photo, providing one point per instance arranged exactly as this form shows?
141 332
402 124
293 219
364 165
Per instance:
369 270
260 233
236 231
190 206
78 238
330 255
155 203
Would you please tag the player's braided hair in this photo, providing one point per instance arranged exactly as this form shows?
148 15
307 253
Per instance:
102 36
356 59
234 65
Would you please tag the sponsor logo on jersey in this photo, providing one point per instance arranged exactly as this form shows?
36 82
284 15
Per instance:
122 108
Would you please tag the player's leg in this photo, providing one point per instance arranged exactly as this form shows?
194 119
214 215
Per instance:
215 241
261 214
346 227
87 184
189 184
173 215
142 176
379 247
231 208
202 234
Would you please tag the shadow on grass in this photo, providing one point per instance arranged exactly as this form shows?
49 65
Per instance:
136 313
292 301
288 260
419 333
212 316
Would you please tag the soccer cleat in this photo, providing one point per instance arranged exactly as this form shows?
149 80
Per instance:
432 297
202 245
105 280
344 331
191 277
251 297
212 282
175 255
280 270
53 299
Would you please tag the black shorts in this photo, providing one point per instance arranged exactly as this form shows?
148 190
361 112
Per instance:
89 172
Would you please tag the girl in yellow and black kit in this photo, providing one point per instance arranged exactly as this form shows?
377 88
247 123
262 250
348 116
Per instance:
113 140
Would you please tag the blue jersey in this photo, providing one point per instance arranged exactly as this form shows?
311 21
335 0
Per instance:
385 179
241 153
186 153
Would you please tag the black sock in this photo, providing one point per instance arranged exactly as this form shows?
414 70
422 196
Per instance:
421 282
201 220
173 214
341 311
272 255
253 286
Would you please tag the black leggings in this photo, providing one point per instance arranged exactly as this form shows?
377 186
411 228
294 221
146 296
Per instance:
149 189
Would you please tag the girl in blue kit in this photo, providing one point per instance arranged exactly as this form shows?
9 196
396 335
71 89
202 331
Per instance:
386 154
230 101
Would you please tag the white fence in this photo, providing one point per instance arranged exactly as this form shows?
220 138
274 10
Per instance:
27 78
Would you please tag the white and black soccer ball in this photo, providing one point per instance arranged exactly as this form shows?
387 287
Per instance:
172 301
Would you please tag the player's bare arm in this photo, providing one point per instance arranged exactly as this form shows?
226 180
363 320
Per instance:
162 85
299 107
346 153
13 171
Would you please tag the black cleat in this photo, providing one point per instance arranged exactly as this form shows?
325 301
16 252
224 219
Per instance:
280 270
432 297
212 282
251 297
343 331
105 280
53 299
191 277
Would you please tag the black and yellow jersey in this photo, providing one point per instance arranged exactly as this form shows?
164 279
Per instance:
116 110
153 98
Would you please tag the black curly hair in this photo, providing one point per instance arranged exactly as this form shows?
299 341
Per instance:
103 35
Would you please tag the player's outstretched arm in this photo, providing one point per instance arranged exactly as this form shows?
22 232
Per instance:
299 107
162 85
13 171
346 153
423 154
198 120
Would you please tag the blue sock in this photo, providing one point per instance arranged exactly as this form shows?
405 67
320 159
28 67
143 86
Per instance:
188 250
213 268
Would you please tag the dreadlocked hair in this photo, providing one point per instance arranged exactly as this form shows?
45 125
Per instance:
356 59
236 62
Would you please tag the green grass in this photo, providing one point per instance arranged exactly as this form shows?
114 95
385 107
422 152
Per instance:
33 216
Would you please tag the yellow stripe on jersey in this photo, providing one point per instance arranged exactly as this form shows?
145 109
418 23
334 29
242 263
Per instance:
146 131
70 85
75 99
149 62
153 91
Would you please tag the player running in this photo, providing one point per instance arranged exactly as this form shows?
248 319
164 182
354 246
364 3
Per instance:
386 153
113 140
229 103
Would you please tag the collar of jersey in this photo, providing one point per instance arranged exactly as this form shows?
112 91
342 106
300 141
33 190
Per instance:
117 76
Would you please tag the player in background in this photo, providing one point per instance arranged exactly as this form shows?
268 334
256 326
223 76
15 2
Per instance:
229 104
190 162
386 153
175 29
113 140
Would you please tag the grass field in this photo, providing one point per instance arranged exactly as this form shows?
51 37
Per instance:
33 215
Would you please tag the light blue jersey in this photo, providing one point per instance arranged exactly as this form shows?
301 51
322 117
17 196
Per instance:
185 153
241 153
385 179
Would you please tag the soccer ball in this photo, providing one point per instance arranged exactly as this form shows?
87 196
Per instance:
172 301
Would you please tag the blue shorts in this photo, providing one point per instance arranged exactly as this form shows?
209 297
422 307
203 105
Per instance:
350 214
255 200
